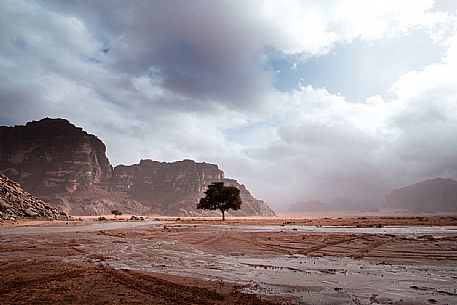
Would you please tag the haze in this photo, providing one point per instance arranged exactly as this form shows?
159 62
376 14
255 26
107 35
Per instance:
299 100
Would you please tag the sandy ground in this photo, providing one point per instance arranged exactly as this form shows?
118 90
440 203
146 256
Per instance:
330 260
42 281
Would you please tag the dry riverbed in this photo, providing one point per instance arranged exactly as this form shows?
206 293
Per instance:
332 260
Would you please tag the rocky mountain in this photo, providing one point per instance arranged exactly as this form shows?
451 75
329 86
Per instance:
16 203
434 195
52 156
175 188
68 167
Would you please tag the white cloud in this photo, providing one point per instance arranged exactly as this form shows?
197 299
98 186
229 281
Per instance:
314 27
362 150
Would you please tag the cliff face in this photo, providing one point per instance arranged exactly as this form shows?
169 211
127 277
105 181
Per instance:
175 188
67 167
52 156
432 195
251 205
162 182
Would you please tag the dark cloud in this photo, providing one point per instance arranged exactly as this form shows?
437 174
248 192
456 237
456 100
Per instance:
204 50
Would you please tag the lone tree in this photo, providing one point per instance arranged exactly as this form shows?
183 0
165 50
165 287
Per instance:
116 213
220 197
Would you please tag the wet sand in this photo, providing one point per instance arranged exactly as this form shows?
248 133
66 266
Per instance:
340 260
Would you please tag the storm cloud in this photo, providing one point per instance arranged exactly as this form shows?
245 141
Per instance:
170 80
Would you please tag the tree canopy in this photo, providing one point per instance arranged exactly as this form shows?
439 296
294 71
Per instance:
116 213
220 197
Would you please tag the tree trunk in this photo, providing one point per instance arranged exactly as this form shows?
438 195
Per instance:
223 215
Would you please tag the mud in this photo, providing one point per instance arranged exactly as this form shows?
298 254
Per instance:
207 262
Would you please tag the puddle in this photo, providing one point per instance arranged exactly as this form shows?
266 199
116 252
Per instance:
410 230
85 227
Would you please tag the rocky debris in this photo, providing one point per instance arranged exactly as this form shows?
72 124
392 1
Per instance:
67 167
16 203
433 195
134 217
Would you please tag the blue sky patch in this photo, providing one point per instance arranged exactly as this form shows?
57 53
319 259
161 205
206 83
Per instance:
357 70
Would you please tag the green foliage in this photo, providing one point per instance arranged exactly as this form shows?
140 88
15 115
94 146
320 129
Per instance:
220 197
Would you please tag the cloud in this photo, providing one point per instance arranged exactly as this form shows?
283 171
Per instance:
313 27
335 147
173 80
200 51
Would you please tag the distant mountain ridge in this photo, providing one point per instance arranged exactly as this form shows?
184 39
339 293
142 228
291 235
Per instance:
67 167
433 195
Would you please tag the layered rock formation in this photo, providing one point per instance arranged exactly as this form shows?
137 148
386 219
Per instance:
52 156
434 195
16 203
68 167
252 206
175 188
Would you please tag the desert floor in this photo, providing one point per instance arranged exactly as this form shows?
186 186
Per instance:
319 260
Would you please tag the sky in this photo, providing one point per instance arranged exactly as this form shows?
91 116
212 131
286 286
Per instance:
298 100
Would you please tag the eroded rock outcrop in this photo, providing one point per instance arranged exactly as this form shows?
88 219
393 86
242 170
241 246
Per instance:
16 203
433 195
68 168
251 205
52 156
175 188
